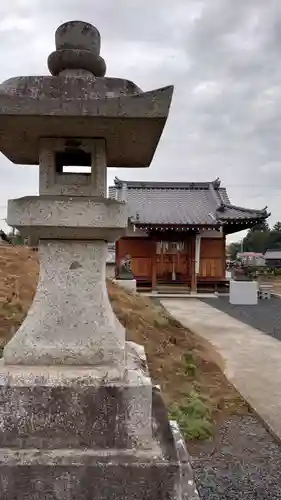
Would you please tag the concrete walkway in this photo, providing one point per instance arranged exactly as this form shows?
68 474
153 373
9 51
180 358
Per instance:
252 359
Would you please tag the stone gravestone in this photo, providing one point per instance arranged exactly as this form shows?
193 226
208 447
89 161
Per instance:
79 417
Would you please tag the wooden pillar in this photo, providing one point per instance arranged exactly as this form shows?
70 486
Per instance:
224 257
153 265
193 265
117 258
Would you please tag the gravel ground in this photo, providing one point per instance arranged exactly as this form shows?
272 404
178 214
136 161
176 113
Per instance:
266 316
243 462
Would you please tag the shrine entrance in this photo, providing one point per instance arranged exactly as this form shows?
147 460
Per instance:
173 261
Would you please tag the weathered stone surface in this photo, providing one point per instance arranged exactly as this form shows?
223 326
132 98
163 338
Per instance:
42 87
136 358
55 154
76 102
131 125
114 479
160 472
71 321
78 35
56 406
187 489
76 59
173 448
78 48
109 107
68 217
110 416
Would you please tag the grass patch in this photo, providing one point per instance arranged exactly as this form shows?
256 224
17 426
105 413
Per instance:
190 361
194 417
10 309
11 317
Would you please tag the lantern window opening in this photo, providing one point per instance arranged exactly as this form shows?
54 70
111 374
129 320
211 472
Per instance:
73 161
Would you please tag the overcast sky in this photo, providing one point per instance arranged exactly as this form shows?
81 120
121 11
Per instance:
224 58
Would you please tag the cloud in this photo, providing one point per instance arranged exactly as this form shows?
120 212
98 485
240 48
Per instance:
223 58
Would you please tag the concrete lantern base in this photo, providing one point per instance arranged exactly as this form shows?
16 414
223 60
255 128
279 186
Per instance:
74 408
63 438
130 285
71 434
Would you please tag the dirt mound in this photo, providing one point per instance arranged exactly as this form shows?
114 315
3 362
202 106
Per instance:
18 280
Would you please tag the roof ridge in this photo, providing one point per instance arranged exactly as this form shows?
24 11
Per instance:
214 188
224 190
167 184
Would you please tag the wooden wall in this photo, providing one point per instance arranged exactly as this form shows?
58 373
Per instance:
212 258
142 251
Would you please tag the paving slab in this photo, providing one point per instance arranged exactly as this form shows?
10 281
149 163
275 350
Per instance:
265 316
251 359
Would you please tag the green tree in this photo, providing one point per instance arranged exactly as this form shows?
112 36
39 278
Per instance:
18 240
277 227
256 241
274 240
259 238
260 226
234 248
15 237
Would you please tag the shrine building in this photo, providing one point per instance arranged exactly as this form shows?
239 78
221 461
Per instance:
177 232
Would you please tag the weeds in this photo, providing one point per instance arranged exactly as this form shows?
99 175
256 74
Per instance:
190 364
10 309
194 417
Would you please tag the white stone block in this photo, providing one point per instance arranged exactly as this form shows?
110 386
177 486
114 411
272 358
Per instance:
243 292
130 285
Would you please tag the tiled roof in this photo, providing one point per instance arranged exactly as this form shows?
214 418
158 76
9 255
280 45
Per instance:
228 211
177 203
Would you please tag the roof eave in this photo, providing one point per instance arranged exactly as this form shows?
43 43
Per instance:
260 214
183 227
231 226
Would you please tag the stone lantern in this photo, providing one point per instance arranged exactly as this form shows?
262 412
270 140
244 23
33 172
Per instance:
79 417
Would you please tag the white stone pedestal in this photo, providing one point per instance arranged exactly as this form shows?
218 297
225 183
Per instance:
130 285
71 321
243 292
